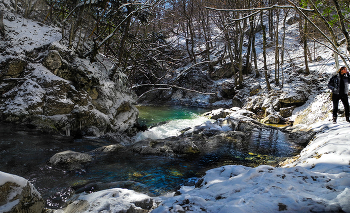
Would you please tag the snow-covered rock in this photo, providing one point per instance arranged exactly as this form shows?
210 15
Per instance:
18 195
111 200
47 85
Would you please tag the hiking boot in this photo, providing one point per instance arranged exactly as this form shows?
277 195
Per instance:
334 120
347 119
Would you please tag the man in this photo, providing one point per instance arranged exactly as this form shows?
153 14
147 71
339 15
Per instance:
339 84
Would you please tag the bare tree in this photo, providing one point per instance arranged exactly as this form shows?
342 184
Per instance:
2 26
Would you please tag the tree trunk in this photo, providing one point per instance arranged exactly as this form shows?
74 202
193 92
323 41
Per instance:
240 62
277 63
249 46
264 39
270 12
264 52
230 53
2 26
122 42
342 24
192 41
304 40
282 49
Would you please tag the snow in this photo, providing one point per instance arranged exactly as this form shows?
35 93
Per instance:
15 190
319 180
111 201
26 35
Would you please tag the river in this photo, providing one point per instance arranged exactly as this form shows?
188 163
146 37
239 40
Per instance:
25 152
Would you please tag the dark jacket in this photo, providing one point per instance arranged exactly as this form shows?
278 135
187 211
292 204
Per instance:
334 83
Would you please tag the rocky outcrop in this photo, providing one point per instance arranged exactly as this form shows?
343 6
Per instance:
55 90
17 195
274 106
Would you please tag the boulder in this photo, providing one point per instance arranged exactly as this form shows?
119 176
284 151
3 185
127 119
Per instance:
70 160
255 89
111 200
19 195
286 112
53 61
293 98
272 119
225 71
228 89
15 68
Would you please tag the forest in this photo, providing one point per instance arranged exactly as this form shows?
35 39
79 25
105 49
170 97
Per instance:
149 40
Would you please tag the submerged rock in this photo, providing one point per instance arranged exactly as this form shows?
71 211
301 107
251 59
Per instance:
18 195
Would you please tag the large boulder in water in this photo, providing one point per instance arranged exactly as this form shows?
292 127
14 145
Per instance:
18 195
70 160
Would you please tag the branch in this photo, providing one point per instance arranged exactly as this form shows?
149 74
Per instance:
260 9
116 28
143 94
245 17
335 49
168 85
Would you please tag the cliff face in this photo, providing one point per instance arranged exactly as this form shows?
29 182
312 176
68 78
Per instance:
46 85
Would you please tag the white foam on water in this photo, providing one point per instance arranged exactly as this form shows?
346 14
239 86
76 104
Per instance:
170 129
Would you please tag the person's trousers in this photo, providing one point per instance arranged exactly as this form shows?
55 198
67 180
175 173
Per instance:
344 100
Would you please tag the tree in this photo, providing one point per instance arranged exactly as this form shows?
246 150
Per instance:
2 26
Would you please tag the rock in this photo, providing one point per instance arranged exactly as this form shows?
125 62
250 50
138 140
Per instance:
14 69
228 89
237 102
271 119
111 200
314 112
18 195
223 72
218 113
286 112
63 93
255 89
53 61
70 160
254 103
110 149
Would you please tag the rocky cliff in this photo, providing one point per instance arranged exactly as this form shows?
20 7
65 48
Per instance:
48 86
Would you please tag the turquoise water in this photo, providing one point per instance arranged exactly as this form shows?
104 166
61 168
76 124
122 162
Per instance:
152 115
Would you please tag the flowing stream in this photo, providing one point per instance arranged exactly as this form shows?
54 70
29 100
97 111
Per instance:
25 152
